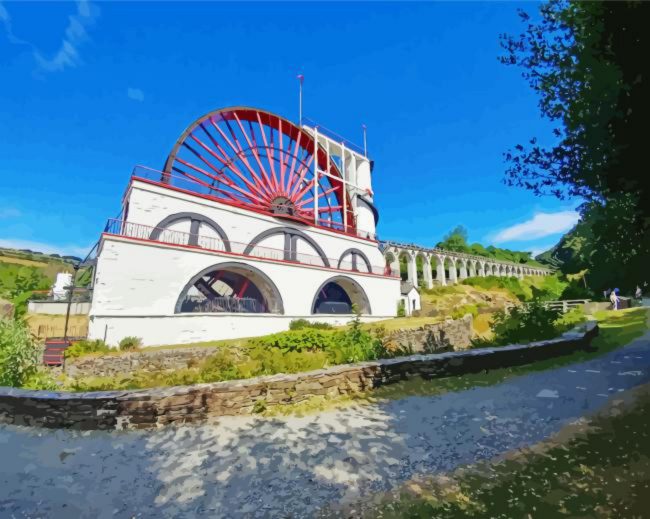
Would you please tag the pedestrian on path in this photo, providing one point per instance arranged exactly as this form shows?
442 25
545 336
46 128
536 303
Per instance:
638 293
614 299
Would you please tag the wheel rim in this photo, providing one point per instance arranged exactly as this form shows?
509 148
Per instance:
259 161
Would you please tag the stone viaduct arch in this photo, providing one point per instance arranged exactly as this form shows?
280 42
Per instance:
447 267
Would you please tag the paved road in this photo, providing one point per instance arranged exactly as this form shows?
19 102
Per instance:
292 467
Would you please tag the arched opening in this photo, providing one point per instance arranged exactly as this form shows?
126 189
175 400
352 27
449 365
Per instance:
451 270
337 295
230 287
191 229
423 269
392 265
404 265
356 260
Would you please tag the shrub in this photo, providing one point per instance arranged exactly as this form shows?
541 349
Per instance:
40 379
220 366
355 345
526 323
130 343
269 361
259 406
463 310
401 308
85 347
301 324
297 340
570 319
19 353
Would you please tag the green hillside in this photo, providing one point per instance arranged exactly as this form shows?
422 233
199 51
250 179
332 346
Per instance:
24 273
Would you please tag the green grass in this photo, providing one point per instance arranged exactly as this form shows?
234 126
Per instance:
616 330
599 470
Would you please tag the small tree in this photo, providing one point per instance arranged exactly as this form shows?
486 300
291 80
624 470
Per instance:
19 353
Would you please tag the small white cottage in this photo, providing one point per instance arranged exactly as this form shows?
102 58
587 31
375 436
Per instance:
410 297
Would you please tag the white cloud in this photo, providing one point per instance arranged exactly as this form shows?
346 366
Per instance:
539 226
136 94
75 35
9 212
47 248
6 21
536 251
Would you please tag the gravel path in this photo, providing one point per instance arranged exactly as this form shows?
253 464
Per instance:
292 467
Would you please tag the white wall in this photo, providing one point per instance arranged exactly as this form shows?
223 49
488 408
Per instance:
57 307
191 328
136 280
411 302
150 204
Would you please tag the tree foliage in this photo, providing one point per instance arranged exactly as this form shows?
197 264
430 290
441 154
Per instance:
456 240
588 63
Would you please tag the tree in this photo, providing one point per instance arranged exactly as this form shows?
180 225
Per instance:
588 63
455 240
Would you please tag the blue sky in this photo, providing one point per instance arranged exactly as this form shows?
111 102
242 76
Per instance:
91 90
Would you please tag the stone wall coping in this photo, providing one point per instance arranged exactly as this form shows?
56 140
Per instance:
589 329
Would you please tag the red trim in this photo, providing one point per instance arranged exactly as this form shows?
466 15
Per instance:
237 255
242 206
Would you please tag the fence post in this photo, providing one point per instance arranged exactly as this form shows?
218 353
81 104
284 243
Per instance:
565 307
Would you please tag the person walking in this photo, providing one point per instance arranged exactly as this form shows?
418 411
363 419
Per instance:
614 299
638 293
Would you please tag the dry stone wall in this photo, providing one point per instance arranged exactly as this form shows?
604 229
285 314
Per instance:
156 360
448 335
158 407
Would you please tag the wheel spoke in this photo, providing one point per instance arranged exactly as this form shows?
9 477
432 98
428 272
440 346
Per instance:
257 160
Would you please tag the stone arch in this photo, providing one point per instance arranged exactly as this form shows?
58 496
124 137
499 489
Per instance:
291 237
196 220
427 275
451 266
353 290
411 270
265 291
392 262
355 255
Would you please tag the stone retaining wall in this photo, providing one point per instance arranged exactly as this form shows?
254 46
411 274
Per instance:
157 360
157 407
447 335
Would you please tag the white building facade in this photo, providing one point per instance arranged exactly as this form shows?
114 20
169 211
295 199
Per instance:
253 222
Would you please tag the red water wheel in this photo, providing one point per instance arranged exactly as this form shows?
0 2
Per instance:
262 162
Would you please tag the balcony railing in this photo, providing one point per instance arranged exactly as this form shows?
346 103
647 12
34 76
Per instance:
215 244
187 185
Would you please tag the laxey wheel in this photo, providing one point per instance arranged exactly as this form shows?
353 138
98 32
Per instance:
259 161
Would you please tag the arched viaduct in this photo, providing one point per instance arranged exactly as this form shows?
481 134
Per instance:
443 267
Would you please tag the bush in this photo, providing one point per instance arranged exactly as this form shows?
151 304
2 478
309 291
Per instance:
355 345
301 324
130 344
522 324
85 347
40 379
297 340
19 353
463 310
401 308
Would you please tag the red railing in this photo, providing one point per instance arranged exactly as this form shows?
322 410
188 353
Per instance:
216 244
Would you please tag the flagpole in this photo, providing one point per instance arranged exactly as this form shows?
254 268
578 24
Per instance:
365 144
300 79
